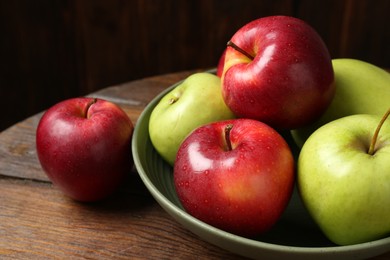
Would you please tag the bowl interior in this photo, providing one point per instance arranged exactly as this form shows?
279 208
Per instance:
295 234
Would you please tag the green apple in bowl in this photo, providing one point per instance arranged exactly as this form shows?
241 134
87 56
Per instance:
343 176
361 88
193 102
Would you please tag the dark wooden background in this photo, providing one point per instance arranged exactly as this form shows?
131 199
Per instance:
51 50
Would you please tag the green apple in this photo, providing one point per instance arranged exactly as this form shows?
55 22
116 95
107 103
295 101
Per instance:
194 102
345 184
361 88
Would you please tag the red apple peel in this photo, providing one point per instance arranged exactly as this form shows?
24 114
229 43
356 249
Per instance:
277 70
235 175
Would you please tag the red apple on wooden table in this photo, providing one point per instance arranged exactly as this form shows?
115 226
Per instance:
236 175
220 65
84 147
277 70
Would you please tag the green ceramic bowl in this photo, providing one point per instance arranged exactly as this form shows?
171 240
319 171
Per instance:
295 235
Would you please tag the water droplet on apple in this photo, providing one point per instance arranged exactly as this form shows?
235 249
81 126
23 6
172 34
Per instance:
187 184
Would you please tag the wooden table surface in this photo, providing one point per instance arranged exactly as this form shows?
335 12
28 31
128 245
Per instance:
38 222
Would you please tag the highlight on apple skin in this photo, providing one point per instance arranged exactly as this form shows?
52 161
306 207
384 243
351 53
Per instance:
277 70
237 175
195 101
358 84
344 183
84 146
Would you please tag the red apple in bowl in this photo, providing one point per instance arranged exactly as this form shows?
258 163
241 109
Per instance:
84 147
220 65
277 70
237 175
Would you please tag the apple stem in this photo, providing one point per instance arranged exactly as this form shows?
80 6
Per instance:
234 46
371 150
228 128
172 100
93 101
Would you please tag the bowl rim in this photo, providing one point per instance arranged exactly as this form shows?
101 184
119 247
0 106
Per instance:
175 211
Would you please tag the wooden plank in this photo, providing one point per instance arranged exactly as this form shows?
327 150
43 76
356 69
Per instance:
38 222
18 156
53 50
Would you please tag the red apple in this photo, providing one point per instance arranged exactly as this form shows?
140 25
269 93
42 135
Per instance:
278 70
236 175
84 147
221 63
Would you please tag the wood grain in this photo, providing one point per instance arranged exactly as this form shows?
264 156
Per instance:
18 157
38 222
56 49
